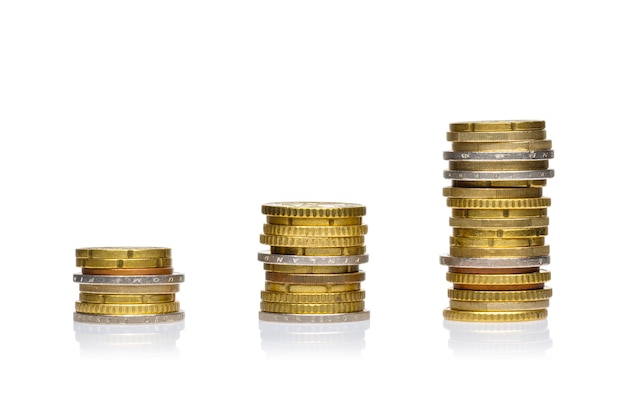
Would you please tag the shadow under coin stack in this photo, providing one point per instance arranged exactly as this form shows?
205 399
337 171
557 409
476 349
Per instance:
499 219
125 285
312 270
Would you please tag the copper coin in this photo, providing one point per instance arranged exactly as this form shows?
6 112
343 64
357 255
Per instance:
513 287
127 271
497 271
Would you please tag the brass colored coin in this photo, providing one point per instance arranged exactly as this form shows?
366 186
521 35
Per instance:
529 252
492 271
498 203
315 279
500 233
311 269
498 279
499 165
501 316
127 271
313 209
497 125
314 221
467 192
505 223
498 305
477 242
501 146
123 253
499 213
87 297
124 263
312 242
500 184
314 231
312 298
317 308
520 287
129 289
127 309
512 136
500 296
345 251
317 288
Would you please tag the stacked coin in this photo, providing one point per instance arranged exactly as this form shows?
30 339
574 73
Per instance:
124 285
499 220
312 270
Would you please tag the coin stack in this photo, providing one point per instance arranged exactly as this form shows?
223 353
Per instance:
499 220
312 270
125 285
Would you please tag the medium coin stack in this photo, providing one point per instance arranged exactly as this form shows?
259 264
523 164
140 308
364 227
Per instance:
312 270
499 220
125 285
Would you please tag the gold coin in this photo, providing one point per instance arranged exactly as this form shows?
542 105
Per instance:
312 298
512 136
529 252
505 223
313 209
499 165
301 288
312 242
314 221
127 309
124 253
500 296
497 125
500 184
315 279
498 203
317 308
492 271
129 289
499 279
500 233
87 297
124 263
493 316
314 231
477 242
346 251
466 192
311 269
517 287
500 146
127 271
499 213
499 305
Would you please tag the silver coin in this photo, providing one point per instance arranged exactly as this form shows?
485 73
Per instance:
493 262
497 156
538 174
139 319
271 258
129 279
314 318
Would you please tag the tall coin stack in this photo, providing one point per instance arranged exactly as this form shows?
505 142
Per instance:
312 270
499 221
125 285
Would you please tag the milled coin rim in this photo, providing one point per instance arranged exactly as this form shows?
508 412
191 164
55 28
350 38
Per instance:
129 279
537 174
457 261
498 156
278 259
126 319
314 318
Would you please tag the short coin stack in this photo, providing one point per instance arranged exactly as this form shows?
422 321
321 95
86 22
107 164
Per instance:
499 219
125 285
312 270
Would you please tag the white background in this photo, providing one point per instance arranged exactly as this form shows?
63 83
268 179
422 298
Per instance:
170 123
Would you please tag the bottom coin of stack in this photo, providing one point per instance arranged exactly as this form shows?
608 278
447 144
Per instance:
313 265
126 285
499 219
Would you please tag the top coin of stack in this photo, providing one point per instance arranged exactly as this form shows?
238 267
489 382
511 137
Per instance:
127 285
312 267
499 219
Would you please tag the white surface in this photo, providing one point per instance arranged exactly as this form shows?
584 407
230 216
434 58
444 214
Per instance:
171 123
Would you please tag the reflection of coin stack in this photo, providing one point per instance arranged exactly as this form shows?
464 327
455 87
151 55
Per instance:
124 285
312 268
499 219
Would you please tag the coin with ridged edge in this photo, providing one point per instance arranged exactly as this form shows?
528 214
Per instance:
498 156
315 279
129 289
88 297
130 320
467 192
312 242
311 269
324 298
498 305
315 231
315 318
499 279
466 262
529 295
500 233
127 271
313 209
526 252
129 280
270 258
316 308
498 203
311 288
127 309
498 175
314 221
494 316
523 145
